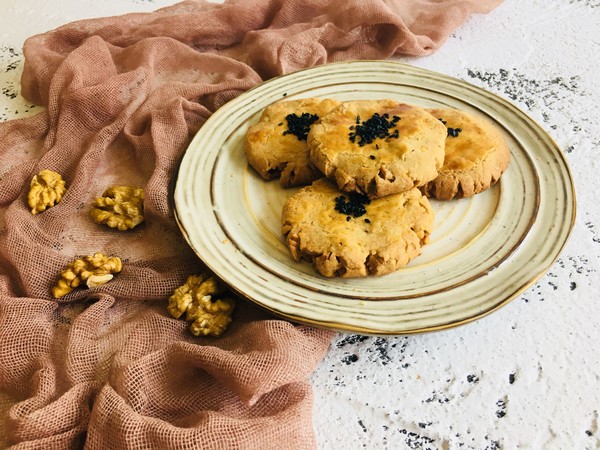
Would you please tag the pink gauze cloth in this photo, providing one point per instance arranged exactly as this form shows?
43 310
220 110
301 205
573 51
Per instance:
109 368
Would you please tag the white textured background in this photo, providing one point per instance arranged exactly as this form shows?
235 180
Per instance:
526 377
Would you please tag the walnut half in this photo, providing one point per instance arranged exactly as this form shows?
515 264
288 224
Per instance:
94 270
206 315
47 189
120 207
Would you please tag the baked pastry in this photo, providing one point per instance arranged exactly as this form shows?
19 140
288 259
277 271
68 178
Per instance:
476 156
276 145
378 147
348 235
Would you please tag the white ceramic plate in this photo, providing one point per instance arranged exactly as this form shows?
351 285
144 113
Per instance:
484 250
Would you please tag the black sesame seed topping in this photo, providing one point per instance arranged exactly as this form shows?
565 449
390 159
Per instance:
280 124
353 206
299 126
451 131
367 221
348 218
372 156
377 126
454 131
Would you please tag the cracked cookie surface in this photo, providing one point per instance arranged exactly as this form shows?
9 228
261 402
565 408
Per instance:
385 238
403 148
476 156
274 150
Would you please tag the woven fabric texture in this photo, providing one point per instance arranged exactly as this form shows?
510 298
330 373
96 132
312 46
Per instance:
110 369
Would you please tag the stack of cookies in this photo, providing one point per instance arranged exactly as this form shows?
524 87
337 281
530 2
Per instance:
369 167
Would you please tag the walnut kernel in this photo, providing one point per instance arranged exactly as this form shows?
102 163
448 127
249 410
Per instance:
120 207
207 316
94 270
47 189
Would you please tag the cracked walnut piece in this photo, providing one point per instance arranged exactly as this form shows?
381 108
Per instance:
119 207
94 270
206 316
47 189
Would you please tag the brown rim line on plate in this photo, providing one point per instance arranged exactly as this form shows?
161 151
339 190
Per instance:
484 251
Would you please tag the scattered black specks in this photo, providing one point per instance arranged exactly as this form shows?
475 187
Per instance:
280 124
511 378
362 425
348 218
351 340
349 359
416 441
587 3
13 56
285 94
552 285
372 156
494 445
472 378
580 264
595 236
9 92
381 347
424 424
12 66
589 433
367 221
551 97
501 411
437 397
572 285
338 382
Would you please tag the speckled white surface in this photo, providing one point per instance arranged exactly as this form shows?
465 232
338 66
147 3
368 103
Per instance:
527 376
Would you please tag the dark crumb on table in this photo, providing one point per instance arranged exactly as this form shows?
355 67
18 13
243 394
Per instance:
349 359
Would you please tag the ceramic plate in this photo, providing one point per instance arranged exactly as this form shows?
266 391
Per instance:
484 250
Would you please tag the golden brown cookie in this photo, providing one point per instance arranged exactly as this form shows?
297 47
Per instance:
476 156
276 145
378 147
348 235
